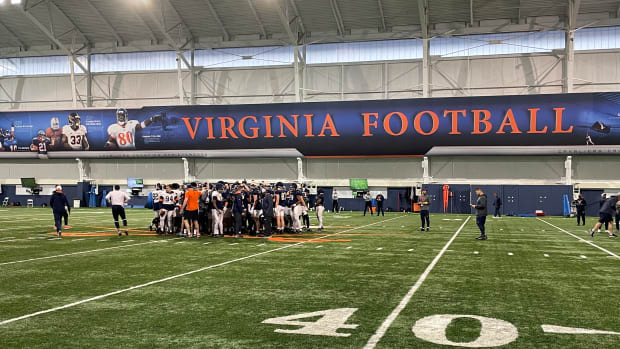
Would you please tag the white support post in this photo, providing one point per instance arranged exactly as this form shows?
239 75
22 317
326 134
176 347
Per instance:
180 77
568 167
73 84
187 175
569 50
300 171
82 170
426 68
426 178
89 81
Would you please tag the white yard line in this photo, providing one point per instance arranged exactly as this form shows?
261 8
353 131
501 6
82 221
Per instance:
374 340
70 305
75 253
580 239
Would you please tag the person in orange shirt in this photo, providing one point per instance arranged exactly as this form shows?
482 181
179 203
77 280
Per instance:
189 210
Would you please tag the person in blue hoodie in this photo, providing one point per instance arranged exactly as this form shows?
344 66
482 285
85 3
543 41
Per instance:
60 206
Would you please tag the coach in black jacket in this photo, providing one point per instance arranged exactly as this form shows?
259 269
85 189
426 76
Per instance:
481 212
58 202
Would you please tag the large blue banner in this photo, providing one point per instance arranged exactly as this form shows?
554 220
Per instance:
383 127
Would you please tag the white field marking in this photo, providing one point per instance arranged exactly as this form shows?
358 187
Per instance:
180 242
263 244
103 240
582 256
574 330
380 248
206 243
12 240
409 250
580 239
78 239
511 254
234 243
476 252
52 239
374 340
546 255
7 238
128 240
319 246
75 253
349 247
70 305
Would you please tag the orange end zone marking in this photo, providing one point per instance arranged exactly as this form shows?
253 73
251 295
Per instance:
281 238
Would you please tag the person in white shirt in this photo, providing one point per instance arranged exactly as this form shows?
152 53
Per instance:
118 199
335 206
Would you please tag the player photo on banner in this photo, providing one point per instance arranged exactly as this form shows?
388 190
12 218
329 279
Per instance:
380 127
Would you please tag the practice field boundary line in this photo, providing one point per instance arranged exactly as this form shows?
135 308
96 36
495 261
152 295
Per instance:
580 239
23 317
374 340
78 253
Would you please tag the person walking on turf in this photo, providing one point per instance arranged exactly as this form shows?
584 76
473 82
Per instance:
600 206
367 203
335 206
580 206
60 206
497 203
379 199
606 214
481 213
118 199
425 205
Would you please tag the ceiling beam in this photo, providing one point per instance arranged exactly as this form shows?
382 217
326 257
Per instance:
119 38
337 16
181 19
218 19
471 13
70 21
299 19
14 36
154 38
382 15
573 12
423 13
258 21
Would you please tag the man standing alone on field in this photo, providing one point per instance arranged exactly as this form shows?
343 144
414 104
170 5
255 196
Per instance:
60 206
481 213
367 203
425 205
580 205
497 203
335 206
379 199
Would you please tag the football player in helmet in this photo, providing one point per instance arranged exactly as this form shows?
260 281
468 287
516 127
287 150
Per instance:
40 143
10 142
122 134
74 134
54 133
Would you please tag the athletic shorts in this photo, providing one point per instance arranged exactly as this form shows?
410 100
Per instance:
280 211
191 215
257 213
605 218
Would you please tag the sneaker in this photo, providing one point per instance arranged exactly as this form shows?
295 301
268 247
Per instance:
59 234
599 231
120 234
591 231
428 229
126 233
421 229
613 236
481 237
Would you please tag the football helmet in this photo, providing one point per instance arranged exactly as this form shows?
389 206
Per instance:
54 124
75 121
40 133
122 116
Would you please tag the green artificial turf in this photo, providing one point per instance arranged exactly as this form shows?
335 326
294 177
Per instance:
367 268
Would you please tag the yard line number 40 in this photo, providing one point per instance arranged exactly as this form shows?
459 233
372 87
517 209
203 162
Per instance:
493 332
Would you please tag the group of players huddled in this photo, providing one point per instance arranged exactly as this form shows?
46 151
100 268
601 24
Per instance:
237 209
